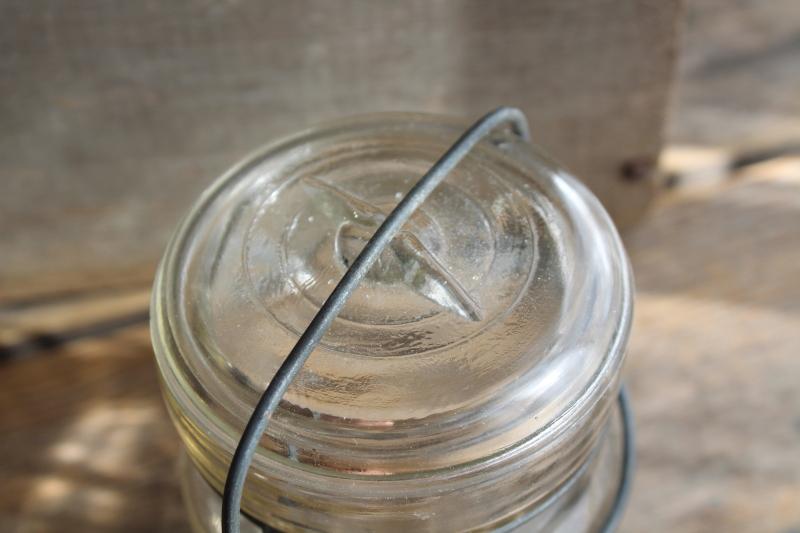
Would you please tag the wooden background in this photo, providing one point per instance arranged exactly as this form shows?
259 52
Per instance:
713 364
116 114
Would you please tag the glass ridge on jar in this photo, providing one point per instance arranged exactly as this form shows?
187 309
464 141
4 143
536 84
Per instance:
469 384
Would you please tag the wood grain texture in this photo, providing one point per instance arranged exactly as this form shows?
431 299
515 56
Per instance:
738 80
713 361
87 444
116 114
713 371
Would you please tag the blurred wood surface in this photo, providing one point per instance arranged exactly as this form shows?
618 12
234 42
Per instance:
116 114
738 79
713 369
713 360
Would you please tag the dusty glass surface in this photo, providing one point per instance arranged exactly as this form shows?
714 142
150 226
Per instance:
465 381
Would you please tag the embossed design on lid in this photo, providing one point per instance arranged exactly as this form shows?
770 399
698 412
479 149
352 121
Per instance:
459 263
408 260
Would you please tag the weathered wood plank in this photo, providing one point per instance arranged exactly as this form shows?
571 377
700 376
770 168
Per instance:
87 444
738 80
115 115
713 364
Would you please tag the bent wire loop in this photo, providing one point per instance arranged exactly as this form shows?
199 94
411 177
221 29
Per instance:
242 457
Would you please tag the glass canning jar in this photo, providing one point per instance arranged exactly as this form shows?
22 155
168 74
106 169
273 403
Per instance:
470 382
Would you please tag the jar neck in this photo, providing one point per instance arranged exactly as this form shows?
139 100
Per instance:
538 511
534 471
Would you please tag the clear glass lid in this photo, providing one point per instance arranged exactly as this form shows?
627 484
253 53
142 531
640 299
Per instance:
496 318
